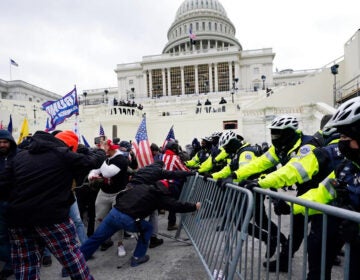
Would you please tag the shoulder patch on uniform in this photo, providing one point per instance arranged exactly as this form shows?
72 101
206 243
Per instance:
305 150
248 156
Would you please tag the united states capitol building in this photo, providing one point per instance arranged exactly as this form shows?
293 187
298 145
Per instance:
172 88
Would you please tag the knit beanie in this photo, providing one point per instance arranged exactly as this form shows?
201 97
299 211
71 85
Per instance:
69 138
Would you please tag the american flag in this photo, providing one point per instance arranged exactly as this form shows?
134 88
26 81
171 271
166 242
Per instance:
170 137
101 131
192 37
141 146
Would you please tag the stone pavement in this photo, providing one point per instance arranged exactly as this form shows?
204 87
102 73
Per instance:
171 261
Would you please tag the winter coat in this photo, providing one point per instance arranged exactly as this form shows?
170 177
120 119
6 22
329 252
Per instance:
154 172
39 180
4 134
141 200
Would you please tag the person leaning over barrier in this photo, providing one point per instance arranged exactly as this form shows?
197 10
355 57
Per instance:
306 170
148 175
142 196
242 153
341 188
217 159
201 155
286 141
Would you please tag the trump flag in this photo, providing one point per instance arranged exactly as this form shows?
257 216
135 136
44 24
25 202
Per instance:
61 109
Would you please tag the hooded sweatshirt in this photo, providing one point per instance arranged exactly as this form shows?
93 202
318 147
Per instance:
4 134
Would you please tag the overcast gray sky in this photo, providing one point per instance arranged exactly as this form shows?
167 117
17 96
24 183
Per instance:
59 43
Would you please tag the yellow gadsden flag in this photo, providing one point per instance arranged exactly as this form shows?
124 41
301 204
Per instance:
24 131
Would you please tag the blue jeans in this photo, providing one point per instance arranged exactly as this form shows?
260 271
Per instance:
4 237
75 216
113 222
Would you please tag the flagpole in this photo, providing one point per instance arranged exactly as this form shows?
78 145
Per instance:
10 68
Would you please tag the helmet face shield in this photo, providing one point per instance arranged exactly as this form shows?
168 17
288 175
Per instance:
233 145
282 138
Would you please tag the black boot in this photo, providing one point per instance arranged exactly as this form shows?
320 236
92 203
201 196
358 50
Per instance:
106 245
154 242
283 260
270 251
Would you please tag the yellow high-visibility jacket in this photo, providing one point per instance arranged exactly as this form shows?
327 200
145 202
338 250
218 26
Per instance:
243 158
264 162
324 193
207 165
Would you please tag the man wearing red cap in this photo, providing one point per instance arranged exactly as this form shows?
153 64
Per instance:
39 181
115 177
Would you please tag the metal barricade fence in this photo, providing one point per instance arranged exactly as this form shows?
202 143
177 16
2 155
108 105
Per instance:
310 238
219 229
238 236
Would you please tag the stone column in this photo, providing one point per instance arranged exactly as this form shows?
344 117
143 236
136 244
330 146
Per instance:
163 81
216 78
211 88
150 84
145 86
182 81
169 82
196 80
230 75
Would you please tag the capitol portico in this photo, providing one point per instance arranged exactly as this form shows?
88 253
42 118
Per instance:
213 61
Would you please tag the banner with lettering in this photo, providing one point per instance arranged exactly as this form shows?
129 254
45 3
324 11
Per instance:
61 109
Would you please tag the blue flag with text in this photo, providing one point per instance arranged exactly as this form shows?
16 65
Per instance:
61 109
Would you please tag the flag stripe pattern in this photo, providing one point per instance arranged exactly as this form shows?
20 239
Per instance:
101 131
192 37
141 146
169 137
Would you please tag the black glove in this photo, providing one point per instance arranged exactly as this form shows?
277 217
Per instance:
281 207
221 183
83 150
342 193
207 176
348 230
249 184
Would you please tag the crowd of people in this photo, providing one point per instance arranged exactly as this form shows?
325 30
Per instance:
66 185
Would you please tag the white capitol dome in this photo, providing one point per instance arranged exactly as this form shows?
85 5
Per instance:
208 21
